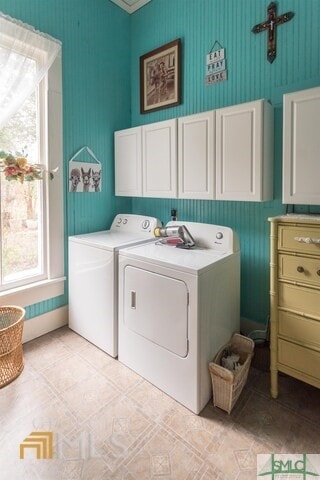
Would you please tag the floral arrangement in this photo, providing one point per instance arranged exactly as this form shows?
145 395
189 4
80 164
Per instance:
16 167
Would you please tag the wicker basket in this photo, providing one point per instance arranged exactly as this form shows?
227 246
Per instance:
11 356
228 385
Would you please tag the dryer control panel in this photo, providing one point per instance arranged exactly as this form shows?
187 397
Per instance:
213 237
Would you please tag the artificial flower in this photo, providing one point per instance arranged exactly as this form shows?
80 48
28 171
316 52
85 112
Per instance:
16 167
22 162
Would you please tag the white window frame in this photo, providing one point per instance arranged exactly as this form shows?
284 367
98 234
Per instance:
51 147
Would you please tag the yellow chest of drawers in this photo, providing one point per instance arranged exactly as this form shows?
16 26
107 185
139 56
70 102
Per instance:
295 298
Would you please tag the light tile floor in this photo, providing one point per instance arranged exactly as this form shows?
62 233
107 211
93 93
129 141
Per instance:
110 424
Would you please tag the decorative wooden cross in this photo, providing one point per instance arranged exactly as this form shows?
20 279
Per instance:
270 25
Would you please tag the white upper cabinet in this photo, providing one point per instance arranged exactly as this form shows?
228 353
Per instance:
146 160
159 159
196 156
226 154
301 147
128 162
244 152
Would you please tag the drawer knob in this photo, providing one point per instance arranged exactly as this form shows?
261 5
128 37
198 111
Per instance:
318 272
300 269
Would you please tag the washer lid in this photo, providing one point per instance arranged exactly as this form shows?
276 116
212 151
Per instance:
126 229
194 260
110 240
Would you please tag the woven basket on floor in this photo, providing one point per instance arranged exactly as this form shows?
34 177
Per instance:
228 385
11 355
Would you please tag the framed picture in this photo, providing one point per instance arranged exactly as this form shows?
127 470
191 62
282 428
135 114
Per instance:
84 177
160 77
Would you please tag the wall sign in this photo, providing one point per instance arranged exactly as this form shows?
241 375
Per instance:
216 65
85 176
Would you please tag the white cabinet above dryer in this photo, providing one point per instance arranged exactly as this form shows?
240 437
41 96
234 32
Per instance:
196 156
301 147
244 152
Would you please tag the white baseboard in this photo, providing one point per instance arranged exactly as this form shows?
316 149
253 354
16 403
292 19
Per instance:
37 326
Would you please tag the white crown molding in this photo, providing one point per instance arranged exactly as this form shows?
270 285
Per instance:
130 6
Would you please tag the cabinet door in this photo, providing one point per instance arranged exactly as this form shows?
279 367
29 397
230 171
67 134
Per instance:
196 156
301 147
244 147
128 162
159 157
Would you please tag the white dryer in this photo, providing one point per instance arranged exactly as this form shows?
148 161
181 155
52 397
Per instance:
177 308
93 277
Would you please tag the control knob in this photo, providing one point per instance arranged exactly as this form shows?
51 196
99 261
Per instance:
145 224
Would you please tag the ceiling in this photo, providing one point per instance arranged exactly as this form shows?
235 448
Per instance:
130 6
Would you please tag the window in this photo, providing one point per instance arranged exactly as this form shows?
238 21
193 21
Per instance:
32 240
22 206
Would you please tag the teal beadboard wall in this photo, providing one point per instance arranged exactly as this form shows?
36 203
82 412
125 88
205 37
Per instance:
95 37
199 23
101 49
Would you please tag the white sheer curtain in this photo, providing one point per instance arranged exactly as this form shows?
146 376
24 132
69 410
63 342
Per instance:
25 57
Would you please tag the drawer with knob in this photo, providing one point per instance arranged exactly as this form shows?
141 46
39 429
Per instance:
303 270
299 239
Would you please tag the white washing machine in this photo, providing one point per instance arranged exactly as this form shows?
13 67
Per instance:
177 308
93 278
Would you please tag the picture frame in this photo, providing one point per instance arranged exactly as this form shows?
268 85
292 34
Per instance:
160 77
85 177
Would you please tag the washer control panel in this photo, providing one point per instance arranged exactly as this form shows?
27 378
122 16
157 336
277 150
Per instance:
145 224
135 223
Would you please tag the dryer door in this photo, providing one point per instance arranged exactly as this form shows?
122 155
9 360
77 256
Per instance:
156 307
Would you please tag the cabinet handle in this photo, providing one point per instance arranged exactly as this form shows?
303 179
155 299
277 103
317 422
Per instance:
300 269
318 272
307 240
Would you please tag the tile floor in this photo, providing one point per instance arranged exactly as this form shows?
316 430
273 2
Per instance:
110 424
